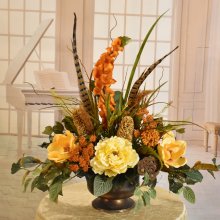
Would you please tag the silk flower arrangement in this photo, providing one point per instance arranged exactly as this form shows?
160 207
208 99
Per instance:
111 137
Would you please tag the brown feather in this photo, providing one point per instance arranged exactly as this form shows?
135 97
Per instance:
138 83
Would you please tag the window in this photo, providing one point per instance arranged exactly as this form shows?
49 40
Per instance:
134 19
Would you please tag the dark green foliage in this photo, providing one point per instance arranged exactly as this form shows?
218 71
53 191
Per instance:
137 121
179 177
40 183
48 130
24 162
28 161
69 125
174 184
118 100
194 176
15 167
44 145
55 188
58 128
125 40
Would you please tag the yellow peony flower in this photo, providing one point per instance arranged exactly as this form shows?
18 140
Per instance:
171 151
59 149
113 156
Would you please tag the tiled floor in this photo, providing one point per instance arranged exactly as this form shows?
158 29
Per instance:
16 205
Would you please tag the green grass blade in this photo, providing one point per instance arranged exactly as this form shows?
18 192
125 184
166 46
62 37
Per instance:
139 56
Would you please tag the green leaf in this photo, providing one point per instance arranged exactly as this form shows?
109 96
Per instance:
34 183
69 125
58 128
154 93
15 167
44 145
48 130
180 191
52 174
138 192
195 175
137 121
180 130
188 194
212 173
139 204
39 183
102 185
174 185
146 178
26 183
146 198
125 40
25 176
152 183
55 189
36 171
46 166
118 100
214 161
218 167
28 161
91 84
107 105
152 192
139 56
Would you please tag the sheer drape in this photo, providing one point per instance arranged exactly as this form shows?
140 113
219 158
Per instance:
212 110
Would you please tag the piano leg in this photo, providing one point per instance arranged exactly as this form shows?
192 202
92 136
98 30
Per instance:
29 127
20 126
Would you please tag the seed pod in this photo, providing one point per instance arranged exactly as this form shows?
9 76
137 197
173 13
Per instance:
80 126
85 118
126 128
148 165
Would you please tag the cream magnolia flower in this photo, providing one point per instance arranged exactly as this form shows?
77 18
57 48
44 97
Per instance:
169 137
113 156
171 151
58 150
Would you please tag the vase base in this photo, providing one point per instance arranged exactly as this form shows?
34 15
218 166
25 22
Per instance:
113 205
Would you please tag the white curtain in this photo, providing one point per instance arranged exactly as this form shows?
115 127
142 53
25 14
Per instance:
212 109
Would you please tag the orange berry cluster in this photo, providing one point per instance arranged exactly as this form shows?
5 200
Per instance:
150 136
103 76
148 133
81 154
149 122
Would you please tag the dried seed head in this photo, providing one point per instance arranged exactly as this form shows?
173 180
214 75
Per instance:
148 165
79 124
126 128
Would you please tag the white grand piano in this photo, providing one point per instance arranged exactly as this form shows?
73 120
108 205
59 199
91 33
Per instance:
24 98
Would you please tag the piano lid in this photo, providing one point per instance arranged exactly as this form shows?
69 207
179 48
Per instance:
18 62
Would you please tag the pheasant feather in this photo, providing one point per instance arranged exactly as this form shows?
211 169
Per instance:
81 84
138 83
